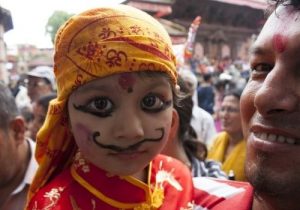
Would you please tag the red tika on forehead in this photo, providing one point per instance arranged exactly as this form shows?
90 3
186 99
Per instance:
126 81
279 43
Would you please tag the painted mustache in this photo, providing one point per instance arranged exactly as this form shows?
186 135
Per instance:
132 147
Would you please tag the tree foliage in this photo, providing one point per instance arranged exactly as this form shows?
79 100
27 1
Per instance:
55 21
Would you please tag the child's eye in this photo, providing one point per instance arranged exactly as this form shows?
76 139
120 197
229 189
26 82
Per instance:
100 104
102 107
154 103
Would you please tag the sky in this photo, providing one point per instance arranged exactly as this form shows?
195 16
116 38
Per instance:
30 18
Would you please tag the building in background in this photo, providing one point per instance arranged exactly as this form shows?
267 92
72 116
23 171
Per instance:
227 29
228 26
160 9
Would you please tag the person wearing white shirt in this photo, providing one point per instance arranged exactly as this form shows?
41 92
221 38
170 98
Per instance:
202 121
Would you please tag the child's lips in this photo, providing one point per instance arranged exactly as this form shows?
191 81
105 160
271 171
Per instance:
127 154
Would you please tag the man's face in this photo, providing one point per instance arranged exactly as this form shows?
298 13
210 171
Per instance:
270 106
37 87
39 114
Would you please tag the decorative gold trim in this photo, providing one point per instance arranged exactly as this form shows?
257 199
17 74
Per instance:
100 195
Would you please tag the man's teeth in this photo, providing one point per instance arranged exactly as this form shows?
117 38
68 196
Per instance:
275 138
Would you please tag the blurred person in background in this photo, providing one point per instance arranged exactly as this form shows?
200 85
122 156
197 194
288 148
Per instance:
183 143
17 160
220 87
202 121
40 108
40 81
19 91
206 94
27 114
229 147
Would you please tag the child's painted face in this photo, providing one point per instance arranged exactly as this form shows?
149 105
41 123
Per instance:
121 122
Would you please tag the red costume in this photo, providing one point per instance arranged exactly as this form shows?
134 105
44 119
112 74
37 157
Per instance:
216 194
84 186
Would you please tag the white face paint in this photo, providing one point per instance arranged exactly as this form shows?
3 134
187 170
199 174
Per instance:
118 130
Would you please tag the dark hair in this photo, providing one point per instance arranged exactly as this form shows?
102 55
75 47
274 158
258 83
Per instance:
236 92
27 113
294 3
47 81
186 133
184 109
177 95
207 77
44 100
8 106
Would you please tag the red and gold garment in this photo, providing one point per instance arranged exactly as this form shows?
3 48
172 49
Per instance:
216 194
86 187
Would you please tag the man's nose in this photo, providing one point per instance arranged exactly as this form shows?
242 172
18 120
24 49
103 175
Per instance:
277 93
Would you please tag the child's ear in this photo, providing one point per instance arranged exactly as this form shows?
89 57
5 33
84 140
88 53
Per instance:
18 128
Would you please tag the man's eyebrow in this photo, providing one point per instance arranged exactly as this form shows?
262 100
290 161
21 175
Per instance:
254 50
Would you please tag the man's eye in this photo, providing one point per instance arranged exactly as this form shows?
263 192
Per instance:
262 68
152 103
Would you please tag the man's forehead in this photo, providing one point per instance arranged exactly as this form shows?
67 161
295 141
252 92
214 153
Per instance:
280 28
285 14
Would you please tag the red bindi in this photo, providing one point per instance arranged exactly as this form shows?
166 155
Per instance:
279 43
126 81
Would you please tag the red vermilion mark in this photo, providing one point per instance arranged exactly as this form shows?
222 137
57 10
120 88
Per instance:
279 42
126 81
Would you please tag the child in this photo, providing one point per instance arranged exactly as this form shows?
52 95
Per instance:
99 145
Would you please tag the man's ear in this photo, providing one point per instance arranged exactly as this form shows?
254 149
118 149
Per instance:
18 128
174 125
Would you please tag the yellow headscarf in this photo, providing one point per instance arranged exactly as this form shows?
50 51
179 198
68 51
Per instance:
95 44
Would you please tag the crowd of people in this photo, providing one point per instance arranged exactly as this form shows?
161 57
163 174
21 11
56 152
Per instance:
85 134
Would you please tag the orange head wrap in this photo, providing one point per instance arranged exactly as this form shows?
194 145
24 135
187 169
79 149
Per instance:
91 45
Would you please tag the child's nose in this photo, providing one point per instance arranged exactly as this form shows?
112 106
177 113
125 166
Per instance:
129 127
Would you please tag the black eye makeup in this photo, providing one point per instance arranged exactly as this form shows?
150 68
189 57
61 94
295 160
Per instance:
100 106
154 103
